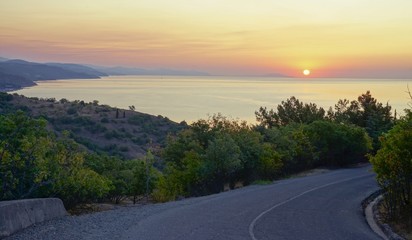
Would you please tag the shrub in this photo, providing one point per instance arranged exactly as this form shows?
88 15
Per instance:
64 100
71 110
293 145
393 166
290 111
104 120
338 144
5 97
124 149
34 163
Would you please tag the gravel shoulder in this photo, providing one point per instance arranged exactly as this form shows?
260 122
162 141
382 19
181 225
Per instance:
101 225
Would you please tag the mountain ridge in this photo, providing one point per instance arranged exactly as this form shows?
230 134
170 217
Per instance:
16 74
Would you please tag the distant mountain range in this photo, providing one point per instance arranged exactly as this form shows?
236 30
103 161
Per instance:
141 71
16 74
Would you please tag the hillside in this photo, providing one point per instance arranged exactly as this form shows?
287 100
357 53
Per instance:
15 74
10 82
78 68
99 128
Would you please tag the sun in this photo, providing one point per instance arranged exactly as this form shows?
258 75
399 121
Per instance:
306 72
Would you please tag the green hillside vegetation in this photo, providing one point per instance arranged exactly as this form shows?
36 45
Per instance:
99 128
393 166
293 137
208 156
80 152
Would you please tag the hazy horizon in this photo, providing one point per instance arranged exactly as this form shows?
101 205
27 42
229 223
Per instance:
190 98
362 39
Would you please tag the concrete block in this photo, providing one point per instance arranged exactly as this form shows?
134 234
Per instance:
19 214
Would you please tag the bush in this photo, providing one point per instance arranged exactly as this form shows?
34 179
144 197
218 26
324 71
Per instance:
104 120
338 144
136 119
63 101
290 111
393 166
294 146
4 97
270 163
215 152
366 112
35 163
71 110
81 186
165 191
124 149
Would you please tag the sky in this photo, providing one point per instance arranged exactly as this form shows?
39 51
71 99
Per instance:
332 38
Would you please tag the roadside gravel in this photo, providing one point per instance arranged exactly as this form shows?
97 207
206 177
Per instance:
101 225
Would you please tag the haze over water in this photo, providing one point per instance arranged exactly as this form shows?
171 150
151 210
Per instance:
190 98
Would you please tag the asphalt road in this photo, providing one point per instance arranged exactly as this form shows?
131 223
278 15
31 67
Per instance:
324 206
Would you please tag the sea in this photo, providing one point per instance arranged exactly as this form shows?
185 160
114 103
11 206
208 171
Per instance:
189 98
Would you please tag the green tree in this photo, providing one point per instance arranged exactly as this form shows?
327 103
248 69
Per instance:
23 145
177 147
393 166
80 186
34 163
71 180
294 146
338 144
251 147
375 117
222 161
289 111
270 163
117 171
138 184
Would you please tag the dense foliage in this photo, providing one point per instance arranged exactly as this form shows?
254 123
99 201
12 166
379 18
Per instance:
207 157
35 163
365 112
393 166
132 178
213 153
375 117
219 152
290 111
338 144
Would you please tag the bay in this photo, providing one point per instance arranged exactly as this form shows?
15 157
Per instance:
190 98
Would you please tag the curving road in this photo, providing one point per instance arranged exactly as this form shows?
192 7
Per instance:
326 206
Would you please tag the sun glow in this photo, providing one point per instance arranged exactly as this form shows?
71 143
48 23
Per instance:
218 37
306 72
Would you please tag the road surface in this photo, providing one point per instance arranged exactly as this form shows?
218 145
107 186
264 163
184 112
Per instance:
325 206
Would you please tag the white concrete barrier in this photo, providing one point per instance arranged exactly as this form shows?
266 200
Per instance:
19 214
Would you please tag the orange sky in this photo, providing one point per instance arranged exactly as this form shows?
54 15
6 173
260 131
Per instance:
333 38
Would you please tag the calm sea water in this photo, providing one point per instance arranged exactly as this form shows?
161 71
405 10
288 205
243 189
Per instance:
191 98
